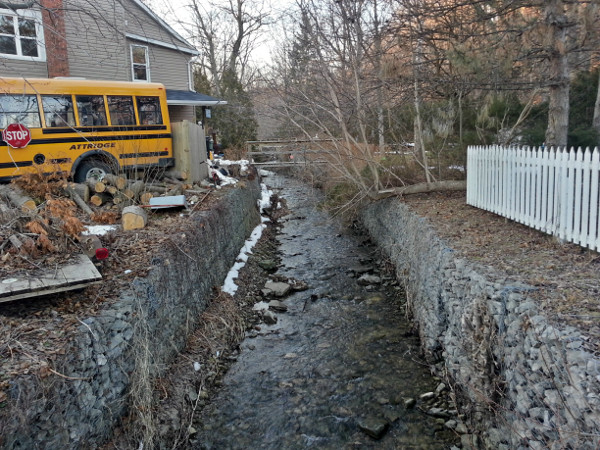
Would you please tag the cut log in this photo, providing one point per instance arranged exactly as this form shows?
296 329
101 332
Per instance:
112 190
450 185
156 188
82 189
145 197
115 180
133 218
97 186
16 242
100 199
6 214
172 180
73 189
177 174
134 189
197 191
20 200
89 245
177 190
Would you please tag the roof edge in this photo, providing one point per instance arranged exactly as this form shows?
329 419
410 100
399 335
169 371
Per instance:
156 42
196 103
162 22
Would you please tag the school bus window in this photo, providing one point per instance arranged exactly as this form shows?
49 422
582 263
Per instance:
120 109
91 110
149 110
58 110
21 109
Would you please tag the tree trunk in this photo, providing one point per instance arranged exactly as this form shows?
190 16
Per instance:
420 188
596 120
418 125
558 107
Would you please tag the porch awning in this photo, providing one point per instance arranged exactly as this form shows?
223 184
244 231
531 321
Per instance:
191 98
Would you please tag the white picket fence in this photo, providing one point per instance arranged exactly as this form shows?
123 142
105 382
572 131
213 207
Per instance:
554 191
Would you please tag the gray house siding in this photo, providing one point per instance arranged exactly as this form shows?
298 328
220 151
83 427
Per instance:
180 113
140 23
97 50
17 68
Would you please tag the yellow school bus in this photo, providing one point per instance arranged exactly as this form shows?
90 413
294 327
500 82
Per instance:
83 128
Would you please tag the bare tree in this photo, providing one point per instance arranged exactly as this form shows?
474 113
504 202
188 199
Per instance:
228 33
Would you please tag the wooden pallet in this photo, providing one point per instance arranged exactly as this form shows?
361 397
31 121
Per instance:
78 274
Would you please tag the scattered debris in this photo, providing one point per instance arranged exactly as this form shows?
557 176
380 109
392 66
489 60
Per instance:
171 201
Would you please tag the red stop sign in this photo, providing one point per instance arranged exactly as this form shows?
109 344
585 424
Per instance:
16 135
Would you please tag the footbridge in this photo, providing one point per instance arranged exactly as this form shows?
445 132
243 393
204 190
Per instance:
288 152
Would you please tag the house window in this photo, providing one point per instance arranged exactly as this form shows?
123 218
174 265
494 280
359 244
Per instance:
21 36
139 63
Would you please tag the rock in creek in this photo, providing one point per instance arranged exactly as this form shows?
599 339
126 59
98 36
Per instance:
374 426
276 288
269 318
359 270
276 305
268 265
367 279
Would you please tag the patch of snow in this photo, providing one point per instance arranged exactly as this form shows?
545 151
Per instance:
243 163
265 198
229 285
260 306
225 180
98 230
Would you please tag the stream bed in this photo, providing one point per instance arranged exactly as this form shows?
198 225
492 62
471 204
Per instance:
341 368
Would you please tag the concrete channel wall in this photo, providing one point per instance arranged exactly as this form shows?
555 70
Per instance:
520 381
115 354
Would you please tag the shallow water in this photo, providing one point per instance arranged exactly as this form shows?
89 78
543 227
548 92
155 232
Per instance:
341 356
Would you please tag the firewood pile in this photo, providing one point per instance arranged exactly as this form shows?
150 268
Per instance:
42 217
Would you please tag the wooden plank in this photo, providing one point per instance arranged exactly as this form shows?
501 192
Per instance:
75 275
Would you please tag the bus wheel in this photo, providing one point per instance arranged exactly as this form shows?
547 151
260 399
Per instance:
91 169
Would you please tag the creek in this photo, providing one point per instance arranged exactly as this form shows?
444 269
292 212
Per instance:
341 367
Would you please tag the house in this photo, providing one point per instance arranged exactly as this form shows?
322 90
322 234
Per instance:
106 40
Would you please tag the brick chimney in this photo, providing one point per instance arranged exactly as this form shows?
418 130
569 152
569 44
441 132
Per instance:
57 58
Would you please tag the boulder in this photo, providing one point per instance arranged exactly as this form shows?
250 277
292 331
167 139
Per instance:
373 426
277 288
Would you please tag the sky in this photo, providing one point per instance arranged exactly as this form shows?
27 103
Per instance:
176 14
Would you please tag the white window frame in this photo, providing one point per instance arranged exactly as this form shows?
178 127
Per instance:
145 47
30 14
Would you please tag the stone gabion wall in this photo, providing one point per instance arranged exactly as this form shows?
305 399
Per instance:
115 355
521 381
